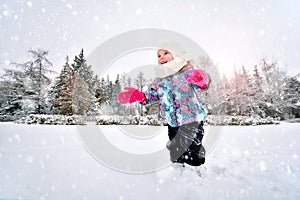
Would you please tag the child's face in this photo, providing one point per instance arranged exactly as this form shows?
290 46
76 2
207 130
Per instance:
164 56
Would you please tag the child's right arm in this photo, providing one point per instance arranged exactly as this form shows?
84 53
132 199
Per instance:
132 95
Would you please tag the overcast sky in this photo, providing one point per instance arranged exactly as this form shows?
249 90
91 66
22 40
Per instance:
233 33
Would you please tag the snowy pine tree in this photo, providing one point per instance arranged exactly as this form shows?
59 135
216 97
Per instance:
140 83
101 93
114 97
94 107
75 89
12 91
84 75
80 96
62 91
273 84
28 85
213 99
128 82
245 97
291 97
225 105
256 94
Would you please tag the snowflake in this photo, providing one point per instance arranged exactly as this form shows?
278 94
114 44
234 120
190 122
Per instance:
262 166
69 6
96 18
261 32
29 4
30 159
5 13
139 11
106 27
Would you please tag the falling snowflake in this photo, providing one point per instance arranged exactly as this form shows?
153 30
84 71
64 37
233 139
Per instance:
262 166
30 159
29 4
96 18
5 13
139 11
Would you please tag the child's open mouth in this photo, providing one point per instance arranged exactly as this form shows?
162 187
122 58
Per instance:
164 62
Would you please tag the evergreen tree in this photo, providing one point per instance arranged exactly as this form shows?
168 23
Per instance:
123 80
128 82
140 83
291 97
225 105
28 86
84 74
273 83
94 107
101 93
235 96
62 91
12 90
114 99
256 93
214 98
238 101
110 88
80 97
245 98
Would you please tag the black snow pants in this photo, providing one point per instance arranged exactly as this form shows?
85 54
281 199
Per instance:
185 143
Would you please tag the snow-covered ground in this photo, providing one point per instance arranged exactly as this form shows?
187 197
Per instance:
50 162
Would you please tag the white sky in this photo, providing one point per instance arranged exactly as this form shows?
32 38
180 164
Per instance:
232 32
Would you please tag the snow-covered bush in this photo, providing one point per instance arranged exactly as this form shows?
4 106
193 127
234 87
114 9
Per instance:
108 120
296 120
52 120
211 120
153 120
239 120
7 118
128 120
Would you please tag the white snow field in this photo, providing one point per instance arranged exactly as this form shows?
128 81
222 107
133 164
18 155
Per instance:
50 162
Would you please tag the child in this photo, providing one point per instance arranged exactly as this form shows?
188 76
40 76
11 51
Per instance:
180 107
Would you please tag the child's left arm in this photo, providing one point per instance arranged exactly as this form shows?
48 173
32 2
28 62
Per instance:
200 78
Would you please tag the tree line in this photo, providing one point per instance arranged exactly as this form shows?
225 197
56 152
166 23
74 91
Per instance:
267 90
27 89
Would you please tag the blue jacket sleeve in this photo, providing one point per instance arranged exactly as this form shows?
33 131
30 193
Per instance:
151 94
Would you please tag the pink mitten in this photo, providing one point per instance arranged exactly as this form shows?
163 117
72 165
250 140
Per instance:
200 78
131 95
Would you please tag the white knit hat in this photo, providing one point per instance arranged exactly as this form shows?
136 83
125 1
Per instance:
173 47
176 64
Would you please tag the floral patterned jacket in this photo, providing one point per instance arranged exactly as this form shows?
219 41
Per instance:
179 101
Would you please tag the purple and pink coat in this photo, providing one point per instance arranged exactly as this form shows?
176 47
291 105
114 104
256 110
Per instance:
180 101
